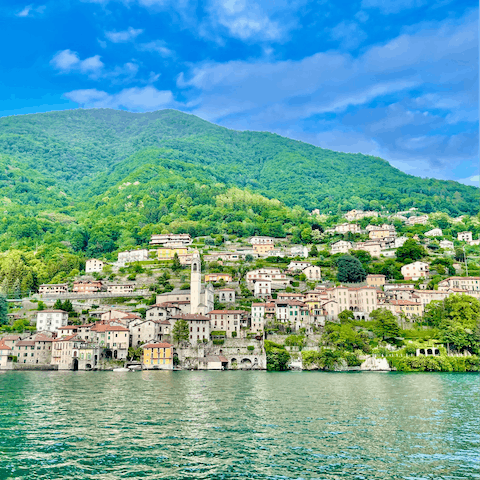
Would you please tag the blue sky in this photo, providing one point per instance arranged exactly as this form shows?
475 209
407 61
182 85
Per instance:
393 78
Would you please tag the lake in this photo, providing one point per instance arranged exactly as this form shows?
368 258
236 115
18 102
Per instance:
239 425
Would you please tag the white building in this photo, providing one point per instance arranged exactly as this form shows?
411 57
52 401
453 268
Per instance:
257 317
446 244
262 241
414 271
298 266
262 288
435 232
400 241
93 265
418 220
50 320
171 239
341 246
348 227
131 256
465 237
120 289
313 273
226 295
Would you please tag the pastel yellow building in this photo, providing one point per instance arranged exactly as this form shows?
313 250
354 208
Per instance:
168 253
263 249
216 277
158 356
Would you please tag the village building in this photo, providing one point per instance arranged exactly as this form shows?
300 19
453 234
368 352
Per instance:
114 339
348 228
375 280
51 320
226 295
462 283
257 317
360 300
6 360
298 266
228 321
198 325
400 241
165 310
290 296
262 288
299 251
446 244
406 308
148 331
158 356
372 247
65 352
417 220
313 273
121 289
414 271
171 239
217 277
435 232
278 279
353 215
93 265
131 256
341 246
53 289
465 237
87 286
168 253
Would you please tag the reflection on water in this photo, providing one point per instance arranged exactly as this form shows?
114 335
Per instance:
230 425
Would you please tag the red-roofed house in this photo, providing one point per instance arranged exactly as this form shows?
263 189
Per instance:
229 321
115 339
5 356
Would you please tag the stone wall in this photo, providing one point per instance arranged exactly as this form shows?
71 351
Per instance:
25 366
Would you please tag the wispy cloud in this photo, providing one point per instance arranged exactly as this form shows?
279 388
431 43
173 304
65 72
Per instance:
136 99
31 10
157 46
393 6
124 35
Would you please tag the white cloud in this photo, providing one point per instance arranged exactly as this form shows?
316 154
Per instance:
67 61
137 99
348 34
124 36
30 11
244 19
156 46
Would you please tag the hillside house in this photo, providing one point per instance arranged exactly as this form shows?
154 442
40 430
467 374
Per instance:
465 237
414 271
93 265
51 320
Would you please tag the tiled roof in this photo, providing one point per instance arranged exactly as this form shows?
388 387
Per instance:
51 311
157 345
109 328
3 346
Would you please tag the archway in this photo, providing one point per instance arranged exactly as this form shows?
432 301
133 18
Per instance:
75 364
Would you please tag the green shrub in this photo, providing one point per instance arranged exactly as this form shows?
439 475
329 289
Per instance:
251 348
218 341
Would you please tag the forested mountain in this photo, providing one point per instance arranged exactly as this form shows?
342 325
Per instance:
90 183
84 152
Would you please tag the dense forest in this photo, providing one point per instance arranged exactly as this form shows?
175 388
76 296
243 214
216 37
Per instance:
84 151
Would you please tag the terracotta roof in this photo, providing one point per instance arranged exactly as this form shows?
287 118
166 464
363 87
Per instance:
3 346
226 290
25 343
43 338
68 327
227 311
190 316
51 311
68 338
157 345
10 337
109 328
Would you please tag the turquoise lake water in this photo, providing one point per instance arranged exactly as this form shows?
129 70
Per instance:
239 425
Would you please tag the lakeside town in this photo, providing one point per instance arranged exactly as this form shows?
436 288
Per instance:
218 303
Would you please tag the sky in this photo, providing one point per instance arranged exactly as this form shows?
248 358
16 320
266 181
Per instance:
396 79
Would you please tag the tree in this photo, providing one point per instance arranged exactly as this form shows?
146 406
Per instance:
58 305
411 251
67 306
3 310
350 270
176 265
386 325
313 251
460 322
181 331
346 316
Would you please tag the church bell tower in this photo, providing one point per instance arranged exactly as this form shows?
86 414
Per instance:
195 282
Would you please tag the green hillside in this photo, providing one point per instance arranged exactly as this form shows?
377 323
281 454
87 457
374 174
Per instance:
85 151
